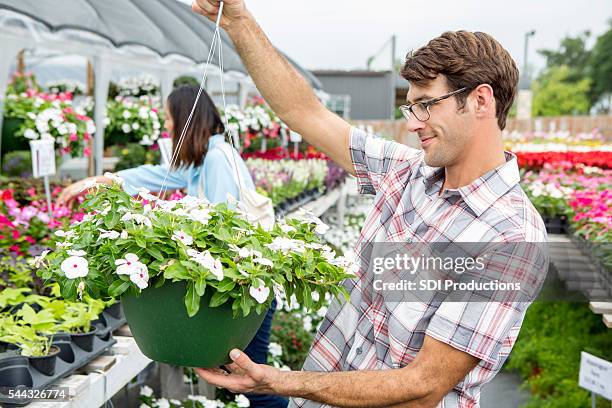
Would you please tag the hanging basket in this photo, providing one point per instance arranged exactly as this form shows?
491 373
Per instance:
10 141
165 333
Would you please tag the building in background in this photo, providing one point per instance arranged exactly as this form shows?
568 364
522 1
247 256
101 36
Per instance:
365 95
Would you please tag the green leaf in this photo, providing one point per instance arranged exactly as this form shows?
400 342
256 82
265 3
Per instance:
218 299
154 252
176 271
117 288
140 241
200 285
69 289
226 286
192 300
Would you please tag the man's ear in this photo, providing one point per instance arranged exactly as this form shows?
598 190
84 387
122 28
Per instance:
484 101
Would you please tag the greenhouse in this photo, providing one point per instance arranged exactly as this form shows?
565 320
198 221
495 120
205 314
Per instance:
192 218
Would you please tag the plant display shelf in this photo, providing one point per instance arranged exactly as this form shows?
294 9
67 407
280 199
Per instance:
322 203
580 274
93 389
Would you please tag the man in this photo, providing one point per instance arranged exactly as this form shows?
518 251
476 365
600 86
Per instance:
460 187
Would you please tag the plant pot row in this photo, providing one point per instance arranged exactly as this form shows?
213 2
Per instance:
294 203
68 352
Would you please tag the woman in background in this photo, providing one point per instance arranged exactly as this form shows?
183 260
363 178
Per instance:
203 170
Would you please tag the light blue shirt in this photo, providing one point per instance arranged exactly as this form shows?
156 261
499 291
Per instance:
217 174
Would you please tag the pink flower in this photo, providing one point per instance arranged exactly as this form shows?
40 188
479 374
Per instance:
74 137
87 152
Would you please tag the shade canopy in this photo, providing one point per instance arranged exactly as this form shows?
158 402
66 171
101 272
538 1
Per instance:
166 27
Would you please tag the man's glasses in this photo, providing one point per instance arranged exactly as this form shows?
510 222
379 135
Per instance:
420 110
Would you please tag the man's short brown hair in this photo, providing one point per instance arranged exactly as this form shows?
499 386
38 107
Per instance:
466 59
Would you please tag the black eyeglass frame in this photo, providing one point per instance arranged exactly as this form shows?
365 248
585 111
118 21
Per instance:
408 109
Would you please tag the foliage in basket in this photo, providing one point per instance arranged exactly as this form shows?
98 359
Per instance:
133 120
125 246
50 116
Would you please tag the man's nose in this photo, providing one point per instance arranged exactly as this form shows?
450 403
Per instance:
414 125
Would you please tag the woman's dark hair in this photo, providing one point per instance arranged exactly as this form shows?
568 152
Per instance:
204 123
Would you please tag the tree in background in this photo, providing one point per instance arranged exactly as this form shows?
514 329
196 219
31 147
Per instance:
557 93
576 78
601 71
572 52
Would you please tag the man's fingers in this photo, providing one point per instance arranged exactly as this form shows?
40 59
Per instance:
221 379
242 361
204 8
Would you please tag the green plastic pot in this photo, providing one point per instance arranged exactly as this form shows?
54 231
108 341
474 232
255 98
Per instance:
11 142
164 332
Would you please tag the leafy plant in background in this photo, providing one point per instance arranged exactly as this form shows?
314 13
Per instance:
50 116
124 246
257 125
76 88
547 352
17 164
131 120
134 154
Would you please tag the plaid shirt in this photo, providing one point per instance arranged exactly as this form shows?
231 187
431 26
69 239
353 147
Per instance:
368 333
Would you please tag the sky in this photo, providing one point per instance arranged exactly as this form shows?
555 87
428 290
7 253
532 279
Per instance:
342 34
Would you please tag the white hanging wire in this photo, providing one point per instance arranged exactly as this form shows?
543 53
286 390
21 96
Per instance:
227 130
179 143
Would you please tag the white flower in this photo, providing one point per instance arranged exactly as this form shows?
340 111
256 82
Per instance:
261 293
146 391
126 115
275 349
242 401
75 267
64 234
138 218
146 194
76 253
129 265
126 128
263 261
162 403
201 216
207 261
39 260
135 126
116 179
287 228
91 127
63 244
182 237
108 234
286 245
141 278
30 134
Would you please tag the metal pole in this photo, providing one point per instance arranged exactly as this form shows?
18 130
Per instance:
48 194
393 46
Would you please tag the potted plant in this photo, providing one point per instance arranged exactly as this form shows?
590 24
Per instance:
31 332
195 280
77 320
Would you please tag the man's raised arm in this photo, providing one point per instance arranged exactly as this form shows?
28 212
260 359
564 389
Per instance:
281 85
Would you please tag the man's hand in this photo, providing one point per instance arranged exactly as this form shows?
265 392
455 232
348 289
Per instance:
233 10
287 92
245 377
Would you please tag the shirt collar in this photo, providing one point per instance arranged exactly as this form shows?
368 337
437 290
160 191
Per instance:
485 190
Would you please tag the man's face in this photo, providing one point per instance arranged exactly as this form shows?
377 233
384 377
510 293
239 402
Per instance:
446 134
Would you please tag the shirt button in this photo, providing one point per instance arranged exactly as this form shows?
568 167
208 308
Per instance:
358 351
